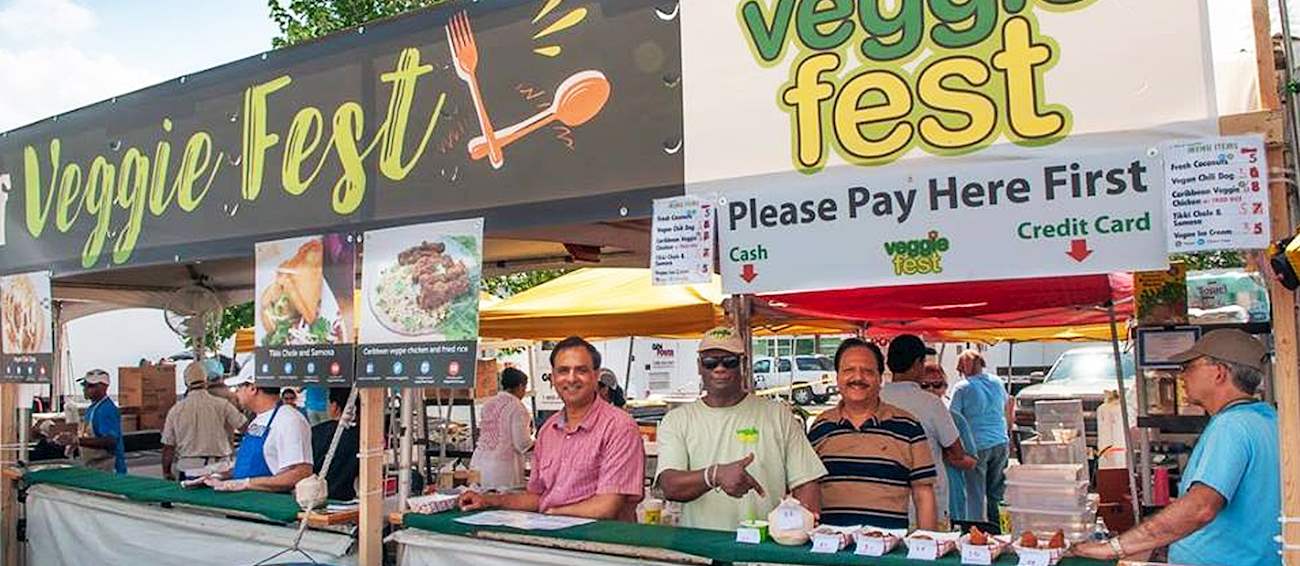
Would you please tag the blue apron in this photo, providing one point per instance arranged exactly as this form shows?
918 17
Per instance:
250 461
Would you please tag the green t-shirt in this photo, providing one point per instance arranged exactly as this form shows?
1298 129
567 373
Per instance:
696 436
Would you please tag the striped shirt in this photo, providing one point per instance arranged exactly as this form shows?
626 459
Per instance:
603 455
871 469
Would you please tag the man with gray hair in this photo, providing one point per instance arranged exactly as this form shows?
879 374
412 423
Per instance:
1231 489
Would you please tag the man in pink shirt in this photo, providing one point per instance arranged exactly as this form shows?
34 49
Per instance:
588 460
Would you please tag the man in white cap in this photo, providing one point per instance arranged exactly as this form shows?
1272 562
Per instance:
197 431
713 452
1231 489
275 452
100 440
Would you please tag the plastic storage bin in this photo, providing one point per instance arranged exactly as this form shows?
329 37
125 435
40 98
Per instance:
1036 452
1048 473
1077 525
1050 415
1060 496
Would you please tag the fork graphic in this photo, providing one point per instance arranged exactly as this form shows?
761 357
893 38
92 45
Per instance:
464 53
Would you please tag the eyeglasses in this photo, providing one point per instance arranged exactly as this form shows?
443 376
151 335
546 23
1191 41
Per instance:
711 362
1188 365
934 385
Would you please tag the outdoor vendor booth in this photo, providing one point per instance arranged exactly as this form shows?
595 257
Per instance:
944 169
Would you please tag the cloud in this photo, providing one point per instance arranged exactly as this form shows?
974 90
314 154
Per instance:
45 81
44 70
43 20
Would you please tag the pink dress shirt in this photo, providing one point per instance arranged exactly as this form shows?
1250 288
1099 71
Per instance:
603 455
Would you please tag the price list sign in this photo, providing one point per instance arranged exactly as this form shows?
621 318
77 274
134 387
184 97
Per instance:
1217 194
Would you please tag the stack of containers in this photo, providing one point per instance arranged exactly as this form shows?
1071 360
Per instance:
1049 490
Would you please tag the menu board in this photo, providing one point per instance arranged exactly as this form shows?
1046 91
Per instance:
306 324
27 325
419 305
1217 193
682 250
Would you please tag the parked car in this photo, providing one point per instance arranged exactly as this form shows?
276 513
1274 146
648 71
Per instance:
1080 373
811 378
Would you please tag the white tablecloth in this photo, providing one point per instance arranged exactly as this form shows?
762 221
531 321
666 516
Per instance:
423 548
66 526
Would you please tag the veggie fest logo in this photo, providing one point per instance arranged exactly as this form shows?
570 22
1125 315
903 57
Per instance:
948 76
918 257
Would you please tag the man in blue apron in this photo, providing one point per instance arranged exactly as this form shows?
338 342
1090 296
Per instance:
100 438
275 452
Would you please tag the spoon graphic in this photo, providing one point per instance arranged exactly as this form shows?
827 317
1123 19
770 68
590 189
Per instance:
578 99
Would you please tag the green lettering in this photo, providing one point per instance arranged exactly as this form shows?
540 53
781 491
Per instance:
197 157
256 138
100 194
963 23
349 121
132 193
812 17
908 24
306 123
768 40
404 80
38 213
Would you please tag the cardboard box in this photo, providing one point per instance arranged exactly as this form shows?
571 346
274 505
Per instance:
130 423
486 381
152 421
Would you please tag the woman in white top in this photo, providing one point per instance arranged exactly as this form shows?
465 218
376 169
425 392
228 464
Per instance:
505 436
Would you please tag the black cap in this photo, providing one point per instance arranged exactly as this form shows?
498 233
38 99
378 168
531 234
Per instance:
904 350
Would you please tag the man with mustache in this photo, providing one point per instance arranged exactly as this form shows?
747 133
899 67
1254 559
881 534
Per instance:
732 456
588 460
876 454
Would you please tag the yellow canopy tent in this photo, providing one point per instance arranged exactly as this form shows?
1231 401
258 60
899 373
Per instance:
1087 332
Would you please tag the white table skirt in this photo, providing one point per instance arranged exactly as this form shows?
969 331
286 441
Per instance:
66 526
423 548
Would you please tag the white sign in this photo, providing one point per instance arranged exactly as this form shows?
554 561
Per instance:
1217 194
976 554
921 549
826 544
872 546
1089 213
749 535
1031 557
682 247
867 84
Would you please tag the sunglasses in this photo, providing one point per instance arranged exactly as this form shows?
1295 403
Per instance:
729 362
934 385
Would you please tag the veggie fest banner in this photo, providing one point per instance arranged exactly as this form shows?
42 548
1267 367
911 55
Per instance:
368 127
964 98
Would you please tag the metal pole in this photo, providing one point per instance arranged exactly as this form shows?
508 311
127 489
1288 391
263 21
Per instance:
627 376
404 459
1123 412
1288 54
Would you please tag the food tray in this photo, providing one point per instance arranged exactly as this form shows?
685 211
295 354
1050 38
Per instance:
867 547
1077 525
945 542
996 546
1054 555
432 503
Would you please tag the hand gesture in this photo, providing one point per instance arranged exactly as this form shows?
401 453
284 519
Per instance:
735 481
472 501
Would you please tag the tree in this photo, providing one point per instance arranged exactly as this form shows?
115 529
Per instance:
515 283
233 318
1201 261
304 20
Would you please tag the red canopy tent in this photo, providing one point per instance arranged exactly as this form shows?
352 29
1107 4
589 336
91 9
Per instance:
928 308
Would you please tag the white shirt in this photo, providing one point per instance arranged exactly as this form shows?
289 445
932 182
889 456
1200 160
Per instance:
504 439
940 430
288 442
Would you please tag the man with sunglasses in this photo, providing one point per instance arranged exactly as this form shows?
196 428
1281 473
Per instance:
1231 488
906 362
732 456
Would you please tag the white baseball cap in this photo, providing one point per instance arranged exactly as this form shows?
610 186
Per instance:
93 377
245 375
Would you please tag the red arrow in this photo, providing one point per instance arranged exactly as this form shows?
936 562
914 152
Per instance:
1079 250
747 273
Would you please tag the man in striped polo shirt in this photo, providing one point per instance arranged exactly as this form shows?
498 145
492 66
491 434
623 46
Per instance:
876 455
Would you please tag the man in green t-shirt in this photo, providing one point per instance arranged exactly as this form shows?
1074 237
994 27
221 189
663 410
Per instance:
732 456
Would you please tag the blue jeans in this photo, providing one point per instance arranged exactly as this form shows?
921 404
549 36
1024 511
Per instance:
986 484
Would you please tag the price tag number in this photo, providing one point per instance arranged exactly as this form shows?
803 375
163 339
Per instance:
979 555
920 549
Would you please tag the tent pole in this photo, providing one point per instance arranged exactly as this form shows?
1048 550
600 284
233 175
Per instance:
627 375
404 461
743 305
370 545
1286 374
1123 412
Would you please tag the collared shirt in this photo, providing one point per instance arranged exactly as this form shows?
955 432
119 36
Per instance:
982 399
603 455
871 469
200 425
696 436
1236 456
939 427
504 437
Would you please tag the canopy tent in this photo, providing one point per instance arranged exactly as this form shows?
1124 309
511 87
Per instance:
980 305
1086 332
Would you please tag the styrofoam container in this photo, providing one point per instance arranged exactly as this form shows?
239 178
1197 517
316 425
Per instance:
1062 496
1048 473
1077 525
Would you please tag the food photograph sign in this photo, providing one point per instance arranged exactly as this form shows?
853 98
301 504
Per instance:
26 320
306 324
419 305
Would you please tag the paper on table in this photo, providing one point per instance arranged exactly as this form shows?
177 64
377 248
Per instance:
523 520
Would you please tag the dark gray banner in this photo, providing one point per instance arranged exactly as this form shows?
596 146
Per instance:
368 127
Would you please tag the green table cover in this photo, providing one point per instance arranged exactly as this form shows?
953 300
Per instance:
719 546
278 507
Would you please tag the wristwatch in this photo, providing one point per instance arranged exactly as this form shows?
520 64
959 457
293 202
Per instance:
1117 547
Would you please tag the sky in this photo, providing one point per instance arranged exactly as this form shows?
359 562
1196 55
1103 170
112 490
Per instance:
59 55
